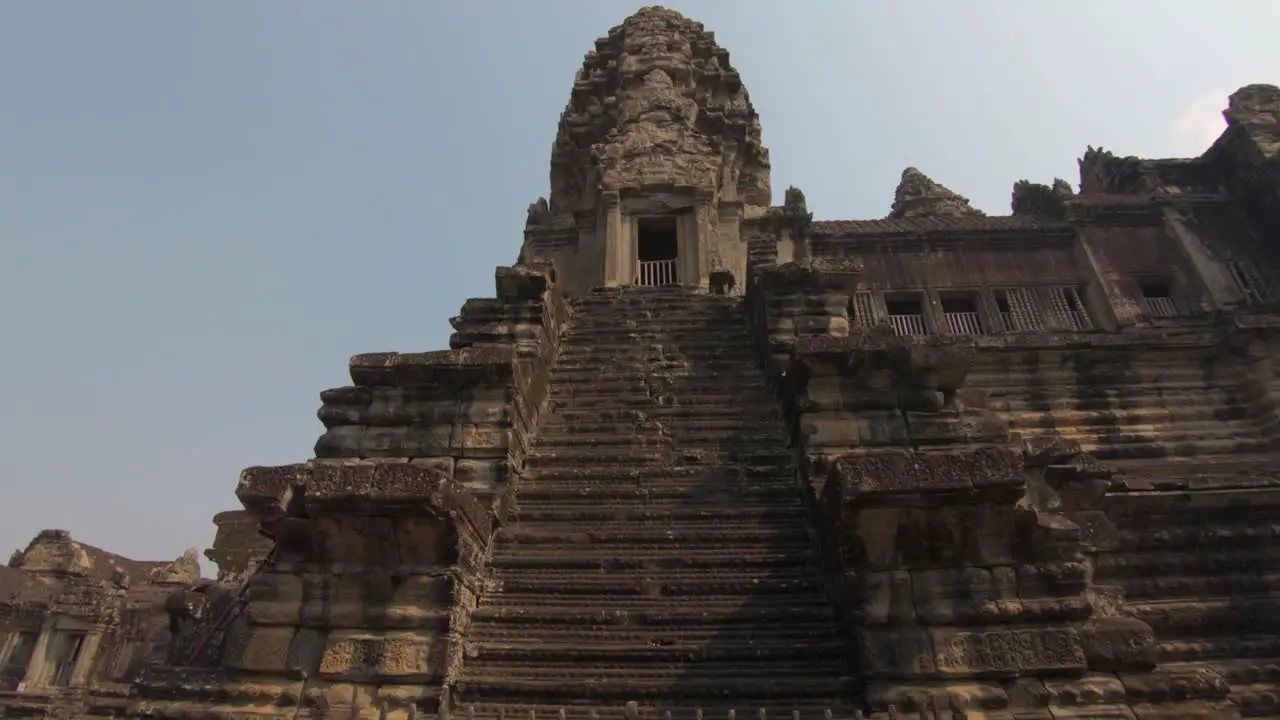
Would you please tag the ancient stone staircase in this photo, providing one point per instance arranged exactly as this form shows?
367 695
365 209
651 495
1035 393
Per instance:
661 552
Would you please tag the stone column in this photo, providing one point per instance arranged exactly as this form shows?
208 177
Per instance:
701 239
35 666
616 247
88 652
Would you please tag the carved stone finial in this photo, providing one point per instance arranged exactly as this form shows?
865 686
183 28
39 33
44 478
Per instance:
794 203
918 196
1101 171
1039 200
186 569
539 213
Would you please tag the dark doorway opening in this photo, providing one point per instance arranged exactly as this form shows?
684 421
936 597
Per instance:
656 250
657 238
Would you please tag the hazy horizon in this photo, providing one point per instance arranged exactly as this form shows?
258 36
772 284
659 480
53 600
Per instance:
208 208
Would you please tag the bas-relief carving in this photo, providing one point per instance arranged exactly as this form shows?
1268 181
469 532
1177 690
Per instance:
1006 651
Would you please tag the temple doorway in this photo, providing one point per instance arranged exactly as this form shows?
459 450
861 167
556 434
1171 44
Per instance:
657 250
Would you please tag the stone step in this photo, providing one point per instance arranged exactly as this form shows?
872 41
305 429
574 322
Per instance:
632 511
614 559
662 413
661 612
729 608
1163 415
798 631
677 438
563 439
1198 584
543 456
672 651
732 682
572 535
575 370
1133 447
1124 432
744 581
667 498
603 303
1186 370
1207 616
598 484
615 352
1098 400
667 708
661 342
630 475
557 424
654 383
673 432
658 549
731 372
605 592
673 674
750 403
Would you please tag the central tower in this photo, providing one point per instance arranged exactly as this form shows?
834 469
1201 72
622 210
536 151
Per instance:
657 159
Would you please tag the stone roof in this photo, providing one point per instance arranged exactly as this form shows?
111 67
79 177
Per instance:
951 223
55 552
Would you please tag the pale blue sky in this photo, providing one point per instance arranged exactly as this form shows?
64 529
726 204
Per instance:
207 207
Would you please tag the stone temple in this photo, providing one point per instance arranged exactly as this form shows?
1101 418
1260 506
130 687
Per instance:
704 455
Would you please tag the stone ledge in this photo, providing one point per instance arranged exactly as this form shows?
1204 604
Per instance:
360 487
911 472
816 274
460 368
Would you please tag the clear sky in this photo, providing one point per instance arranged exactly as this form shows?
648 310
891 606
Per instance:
207 207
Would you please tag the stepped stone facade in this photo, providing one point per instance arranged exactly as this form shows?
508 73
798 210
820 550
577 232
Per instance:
703 455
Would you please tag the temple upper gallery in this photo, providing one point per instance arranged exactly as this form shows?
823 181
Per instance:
701 454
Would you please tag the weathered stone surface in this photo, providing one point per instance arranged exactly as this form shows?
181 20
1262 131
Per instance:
918 196
935 465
